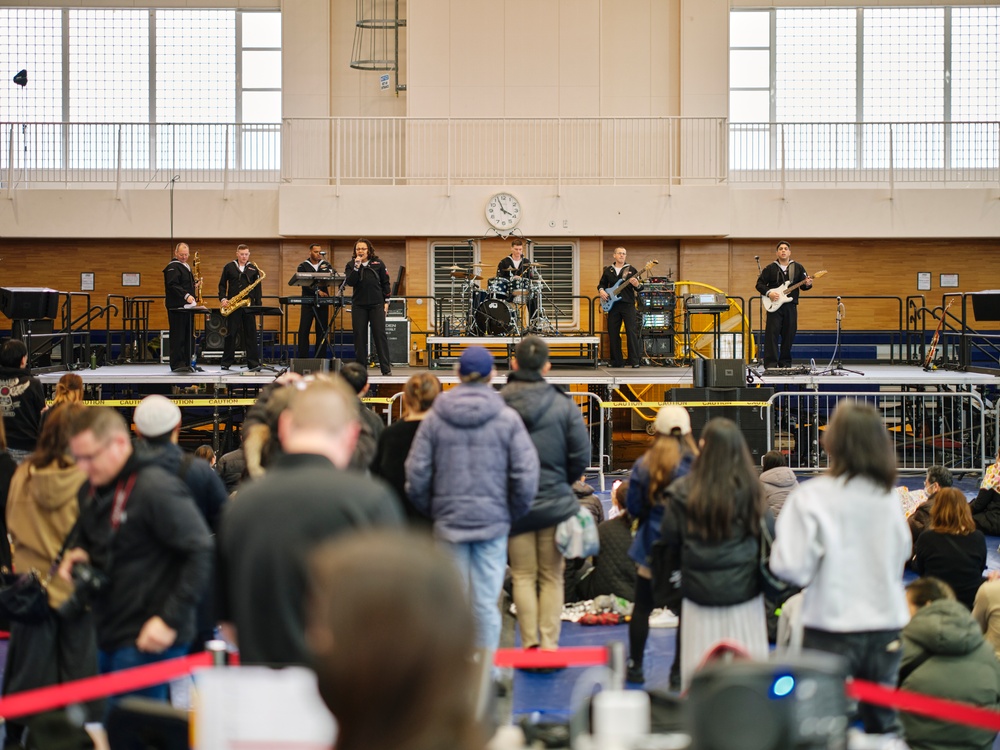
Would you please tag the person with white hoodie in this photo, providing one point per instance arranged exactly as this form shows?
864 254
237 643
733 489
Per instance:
776 480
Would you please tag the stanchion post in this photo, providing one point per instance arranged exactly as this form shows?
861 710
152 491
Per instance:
616 663
219 651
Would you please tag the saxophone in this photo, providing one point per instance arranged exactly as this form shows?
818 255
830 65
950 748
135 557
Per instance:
196 272
242 299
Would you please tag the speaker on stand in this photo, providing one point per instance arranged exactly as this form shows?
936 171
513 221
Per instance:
214 340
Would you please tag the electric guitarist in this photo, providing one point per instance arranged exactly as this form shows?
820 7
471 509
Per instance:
782 323
623 311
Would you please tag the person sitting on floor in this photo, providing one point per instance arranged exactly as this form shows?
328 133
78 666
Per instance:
945 656
613 572
937 479
986 507
776 480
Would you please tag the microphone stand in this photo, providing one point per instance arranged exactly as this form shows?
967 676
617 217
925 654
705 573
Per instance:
756 363
835 366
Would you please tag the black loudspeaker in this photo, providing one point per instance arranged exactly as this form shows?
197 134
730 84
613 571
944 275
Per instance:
797 703
725 373
214 338
304 366
39 329
398 332
658 346
750 419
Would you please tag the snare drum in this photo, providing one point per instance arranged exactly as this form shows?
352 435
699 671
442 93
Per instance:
495 318
520 288
498 287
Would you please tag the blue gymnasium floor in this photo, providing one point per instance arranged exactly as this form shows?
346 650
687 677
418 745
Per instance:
546 697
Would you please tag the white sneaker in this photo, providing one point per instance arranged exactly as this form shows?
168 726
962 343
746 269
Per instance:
663 618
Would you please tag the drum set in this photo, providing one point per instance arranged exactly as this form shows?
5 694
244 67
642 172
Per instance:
509 306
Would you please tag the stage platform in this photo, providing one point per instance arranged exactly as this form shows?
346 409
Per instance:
873 376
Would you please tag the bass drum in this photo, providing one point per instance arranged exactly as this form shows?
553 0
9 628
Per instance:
495 318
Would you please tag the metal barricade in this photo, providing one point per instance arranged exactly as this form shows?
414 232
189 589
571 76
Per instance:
939 428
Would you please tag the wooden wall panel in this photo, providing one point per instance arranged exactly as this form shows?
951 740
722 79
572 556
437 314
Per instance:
856 268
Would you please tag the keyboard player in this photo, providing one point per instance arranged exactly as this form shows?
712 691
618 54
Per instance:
315 312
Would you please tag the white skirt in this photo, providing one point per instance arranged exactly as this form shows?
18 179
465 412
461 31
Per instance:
703 627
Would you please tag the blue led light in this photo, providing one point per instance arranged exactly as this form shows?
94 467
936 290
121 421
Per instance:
783 686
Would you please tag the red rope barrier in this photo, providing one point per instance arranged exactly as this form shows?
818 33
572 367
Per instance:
574 656
924 705
91 688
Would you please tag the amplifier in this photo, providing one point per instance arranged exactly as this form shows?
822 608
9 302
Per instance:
656 347
397 330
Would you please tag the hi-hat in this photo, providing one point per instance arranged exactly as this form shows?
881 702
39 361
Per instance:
532 265
465 275
455 268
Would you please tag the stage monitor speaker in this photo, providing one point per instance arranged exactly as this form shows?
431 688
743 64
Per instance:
397 330
795 703
725 373
29 302
304 366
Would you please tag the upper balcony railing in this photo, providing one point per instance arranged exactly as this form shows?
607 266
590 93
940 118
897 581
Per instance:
831 153
664 151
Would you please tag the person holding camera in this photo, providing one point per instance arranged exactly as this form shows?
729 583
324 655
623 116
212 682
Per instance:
143 553
42 510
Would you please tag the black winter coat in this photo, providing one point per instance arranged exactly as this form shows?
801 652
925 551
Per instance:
560 437
986 511
714 574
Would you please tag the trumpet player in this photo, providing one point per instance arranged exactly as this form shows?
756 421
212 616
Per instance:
180 292
239 276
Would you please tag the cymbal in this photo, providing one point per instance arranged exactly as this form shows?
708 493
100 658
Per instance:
455 268
465 275
534 265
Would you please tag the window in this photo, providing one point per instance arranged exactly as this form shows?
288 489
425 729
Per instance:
557 271
821 71
455 299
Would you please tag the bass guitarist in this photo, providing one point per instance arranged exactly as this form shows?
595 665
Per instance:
622 311
783 322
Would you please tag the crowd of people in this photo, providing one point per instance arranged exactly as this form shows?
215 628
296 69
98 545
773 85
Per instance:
317 531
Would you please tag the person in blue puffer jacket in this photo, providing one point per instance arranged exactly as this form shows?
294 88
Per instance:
669 457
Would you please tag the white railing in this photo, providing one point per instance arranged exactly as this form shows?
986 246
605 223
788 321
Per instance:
959 153
47 154
582 151
663 151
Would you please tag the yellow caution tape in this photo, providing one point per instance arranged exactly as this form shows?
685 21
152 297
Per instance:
178 401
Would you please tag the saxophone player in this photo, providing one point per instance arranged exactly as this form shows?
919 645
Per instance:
237 275
180 291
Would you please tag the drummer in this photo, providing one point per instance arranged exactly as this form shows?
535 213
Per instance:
516 265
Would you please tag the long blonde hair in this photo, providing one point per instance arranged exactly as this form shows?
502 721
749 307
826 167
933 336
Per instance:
69 389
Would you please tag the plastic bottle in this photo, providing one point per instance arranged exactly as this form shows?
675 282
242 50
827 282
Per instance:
93 360
194 360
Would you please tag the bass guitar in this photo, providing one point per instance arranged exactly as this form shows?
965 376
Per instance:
612 297
773 304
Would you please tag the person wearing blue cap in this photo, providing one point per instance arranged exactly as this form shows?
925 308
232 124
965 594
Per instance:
473 470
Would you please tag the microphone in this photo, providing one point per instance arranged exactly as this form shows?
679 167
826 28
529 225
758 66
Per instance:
322 253
838 300
756 257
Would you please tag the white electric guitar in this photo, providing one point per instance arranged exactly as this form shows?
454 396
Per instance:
773 304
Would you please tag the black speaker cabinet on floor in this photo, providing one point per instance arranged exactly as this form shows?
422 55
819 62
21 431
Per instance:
658 346
214 340
750 419
797 704
397 330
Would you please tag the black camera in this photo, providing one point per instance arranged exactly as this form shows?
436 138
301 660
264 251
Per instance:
88 583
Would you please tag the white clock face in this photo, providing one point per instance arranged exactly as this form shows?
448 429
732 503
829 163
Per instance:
503 211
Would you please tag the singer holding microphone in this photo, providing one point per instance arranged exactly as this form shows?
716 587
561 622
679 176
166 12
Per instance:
783 322
315 263
367 276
